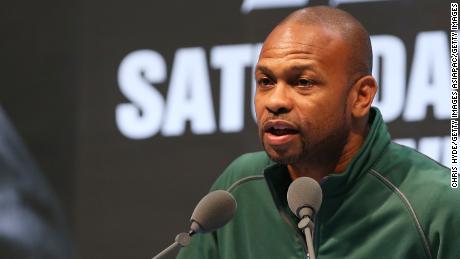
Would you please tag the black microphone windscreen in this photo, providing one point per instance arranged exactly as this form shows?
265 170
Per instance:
213 211
304 192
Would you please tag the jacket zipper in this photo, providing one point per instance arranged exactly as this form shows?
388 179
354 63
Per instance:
316 222
288 221
315 234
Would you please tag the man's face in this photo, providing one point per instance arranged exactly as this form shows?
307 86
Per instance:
301 96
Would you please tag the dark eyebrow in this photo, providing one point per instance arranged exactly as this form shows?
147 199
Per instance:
299 69
263 69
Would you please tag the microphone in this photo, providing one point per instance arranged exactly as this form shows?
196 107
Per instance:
212 212
304 198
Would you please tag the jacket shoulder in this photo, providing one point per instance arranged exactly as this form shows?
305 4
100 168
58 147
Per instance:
418 176
249 164
403 163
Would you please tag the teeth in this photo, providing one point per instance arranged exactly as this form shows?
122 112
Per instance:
280 127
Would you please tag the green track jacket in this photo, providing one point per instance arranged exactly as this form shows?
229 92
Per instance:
391 202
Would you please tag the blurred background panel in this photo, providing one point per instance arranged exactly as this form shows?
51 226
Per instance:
133 108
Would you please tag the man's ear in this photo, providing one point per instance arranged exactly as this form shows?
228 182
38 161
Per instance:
364 91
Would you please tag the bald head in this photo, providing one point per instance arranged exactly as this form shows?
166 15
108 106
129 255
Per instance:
351 30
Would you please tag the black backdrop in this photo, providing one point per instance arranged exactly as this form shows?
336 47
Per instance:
127 197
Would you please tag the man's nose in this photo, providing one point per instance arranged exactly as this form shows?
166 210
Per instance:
279 101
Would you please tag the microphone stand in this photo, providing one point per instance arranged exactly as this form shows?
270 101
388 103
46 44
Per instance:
181 240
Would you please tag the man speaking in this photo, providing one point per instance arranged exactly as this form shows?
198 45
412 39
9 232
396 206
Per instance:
313 106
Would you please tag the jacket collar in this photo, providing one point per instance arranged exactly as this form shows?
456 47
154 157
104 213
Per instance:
376 141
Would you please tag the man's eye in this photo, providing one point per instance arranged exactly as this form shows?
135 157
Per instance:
304 82
264 82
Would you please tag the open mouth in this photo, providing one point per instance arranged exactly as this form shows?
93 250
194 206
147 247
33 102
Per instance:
280 131
280 128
